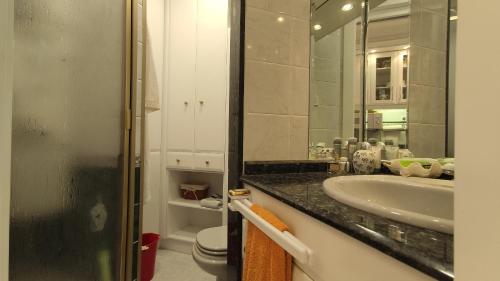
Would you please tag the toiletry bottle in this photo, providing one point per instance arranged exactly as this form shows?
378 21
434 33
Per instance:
352 147
312 152
391 150
337 148
344 165
377 151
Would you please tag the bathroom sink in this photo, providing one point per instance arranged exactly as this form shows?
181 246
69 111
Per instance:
426 203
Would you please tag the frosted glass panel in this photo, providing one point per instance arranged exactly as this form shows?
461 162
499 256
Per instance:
67 140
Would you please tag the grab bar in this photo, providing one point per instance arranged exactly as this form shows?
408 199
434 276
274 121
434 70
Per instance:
286 240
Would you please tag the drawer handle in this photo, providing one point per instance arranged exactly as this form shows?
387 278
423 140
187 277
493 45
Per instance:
178 160
207 162
202 102
186 103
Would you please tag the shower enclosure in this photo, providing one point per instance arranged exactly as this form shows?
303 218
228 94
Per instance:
72 137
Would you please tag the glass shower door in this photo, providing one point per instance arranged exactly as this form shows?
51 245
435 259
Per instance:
69 144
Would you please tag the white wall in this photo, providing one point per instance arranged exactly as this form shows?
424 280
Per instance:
477 197
6 43
154 83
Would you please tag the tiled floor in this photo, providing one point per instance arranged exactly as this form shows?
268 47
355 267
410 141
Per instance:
173 266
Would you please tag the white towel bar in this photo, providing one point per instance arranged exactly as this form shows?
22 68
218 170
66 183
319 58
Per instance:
286 240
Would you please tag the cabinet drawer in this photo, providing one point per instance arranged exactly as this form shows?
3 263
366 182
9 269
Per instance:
180 160
209 162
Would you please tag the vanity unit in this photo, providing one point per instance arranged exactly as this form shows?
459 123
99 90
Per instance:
196 93
346 243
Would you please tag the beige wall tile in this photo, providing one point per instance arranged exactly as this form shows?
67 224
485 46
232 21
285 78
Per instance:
298 99
326 70
266 137
437 6
268 36
427 140
428 30
427 105
329 46
299 55
298 138
296 8
322 135
267 87
277 80
324 117
327 93
263 4
428 67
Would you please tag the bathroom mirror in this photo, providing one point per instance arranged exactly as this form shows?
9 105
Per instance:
398 71
409 48
335 64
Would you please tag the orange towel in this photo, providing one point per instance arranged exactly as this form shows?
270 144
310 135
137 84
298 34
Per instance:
264 259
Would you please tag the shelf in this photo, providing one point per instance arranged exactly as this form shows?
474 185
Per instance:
186 233
181 202
383 68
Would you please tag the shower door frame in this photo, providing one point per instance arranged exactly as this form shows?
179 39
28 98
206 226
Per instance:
6 81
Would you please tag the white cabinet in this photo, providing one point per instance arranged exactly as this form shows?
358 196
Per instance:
196 98
181 75
387 78
211 76
336 256
198 76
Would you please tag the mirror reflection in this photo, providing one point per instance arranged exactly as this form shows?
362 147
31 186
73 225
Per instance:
382 76
334 75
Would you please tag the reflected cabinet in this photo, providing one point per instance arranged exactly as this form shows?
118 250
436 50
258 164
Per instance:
387 78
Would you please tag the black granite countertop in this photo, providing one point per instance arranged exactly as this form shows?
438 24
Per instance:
301 187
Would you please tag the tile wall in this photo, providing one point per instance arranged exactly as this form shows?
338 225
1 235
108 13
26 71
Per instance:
326 89
276 79
427 99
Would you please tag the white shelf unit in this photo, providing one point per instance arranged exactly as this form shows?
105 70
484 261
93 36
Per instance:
194 142
185 218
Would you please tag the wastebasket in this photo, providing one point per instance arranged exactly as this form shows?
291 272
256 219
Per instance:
149 247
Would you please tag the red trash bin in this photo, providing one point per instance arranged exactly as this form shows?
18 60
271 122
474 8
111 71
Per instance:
149 247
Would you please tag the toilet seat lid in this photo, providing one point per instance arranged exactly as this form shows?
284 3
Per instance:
213 239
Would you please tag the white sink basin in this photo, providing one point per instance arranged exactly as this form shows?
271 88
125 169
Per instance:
426 203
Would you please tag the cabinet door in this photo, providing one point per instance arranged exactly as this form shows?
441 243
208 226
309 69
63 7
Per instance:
403 78
181 74
211 76
383 78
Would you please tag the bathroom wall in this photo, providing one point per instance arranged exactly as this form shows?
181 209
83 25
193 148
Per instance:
326 88
6 33
153 77
427 98
477 192
276 79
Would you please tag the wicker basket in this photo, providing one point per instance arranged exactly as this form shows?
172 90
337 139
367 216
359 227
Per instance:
194 191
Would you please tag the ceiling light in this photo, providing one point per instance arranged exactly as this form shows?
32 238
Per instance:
281 19
317 26
373 51
453 17
347 7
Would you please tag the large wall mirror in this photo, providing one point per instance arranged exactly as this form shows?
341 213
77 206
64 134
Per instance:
383 71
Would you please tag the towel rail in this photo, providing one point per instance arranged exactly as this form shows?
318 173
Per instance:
286 240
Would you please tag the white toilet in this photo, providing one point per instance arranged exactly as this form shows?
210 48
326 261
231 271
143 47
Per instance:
210 251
